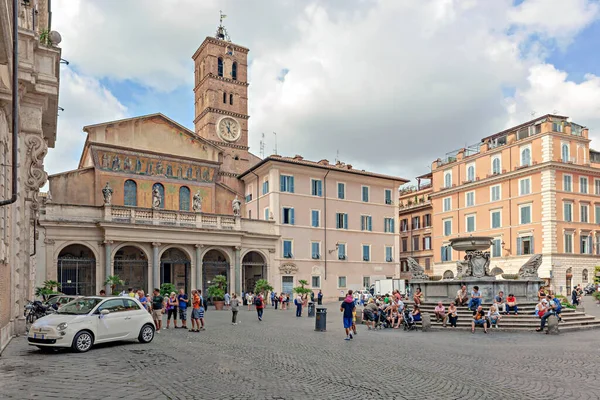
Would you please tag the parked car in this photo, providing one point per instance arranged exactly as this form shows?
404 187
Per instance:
57 302
90 320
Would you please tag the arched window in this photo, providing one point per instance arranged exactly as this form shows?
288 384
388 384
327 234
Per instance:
184 198
220 65
234 71
526 157
471 173
448 180
565 152
224 97
584 276
130 193
231 99
496 165
161 191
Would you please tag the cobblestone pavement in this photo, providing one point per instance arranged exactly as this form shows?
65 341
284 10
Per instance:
284 358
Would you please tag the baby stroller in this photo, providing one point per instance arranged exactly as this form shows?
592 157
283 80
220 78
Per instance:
408 323
381 320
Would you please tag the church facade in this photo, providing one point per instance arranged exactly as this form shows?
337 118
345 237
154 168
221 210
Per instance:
154 202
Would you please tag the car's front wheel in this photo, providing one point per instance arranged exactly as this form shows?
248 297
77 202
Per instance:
146 334
83 342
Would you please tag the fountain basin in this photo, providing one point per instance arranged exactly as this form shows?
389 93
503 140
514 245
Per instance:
471 243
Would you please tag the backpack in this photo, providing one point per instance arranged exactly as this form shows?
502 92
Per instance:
257 301
558 305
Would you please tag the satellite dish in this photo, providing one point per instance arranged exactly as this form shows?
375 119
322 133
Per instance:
54 37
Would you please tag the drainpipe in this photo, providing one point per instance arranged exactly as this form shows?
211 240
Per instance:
257 200
15 104
325 221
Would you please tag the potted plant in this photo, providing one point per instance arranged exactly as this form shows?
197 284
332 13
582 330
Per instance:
301 290
166 289
216 291
50 287
262 286
113 281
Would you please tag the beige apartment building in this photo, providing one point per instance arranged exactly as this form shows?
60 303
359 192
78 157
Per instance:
534 188
37 74
337 224
415 225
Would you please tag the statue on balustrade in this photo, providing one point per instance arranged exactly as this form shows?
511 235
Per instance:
197 202
237 206
156 198
107 192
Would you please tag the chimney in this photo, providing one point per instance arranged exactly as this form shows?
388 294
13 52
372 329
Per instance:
349 166
298 157
324 162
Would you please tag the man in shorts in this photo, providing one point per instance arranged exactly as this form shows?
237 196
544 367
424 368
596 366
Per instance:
348 309
158 303
196 304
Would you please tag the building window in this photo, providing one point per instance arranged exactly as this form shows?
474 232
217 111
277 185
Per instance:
315 218
569 243
597 214
389 254
341 282
287 249
366 223
266 213
597 186
568 212
497 248
341 221
416 222
286 183
427 264
230 99
316 282
365 194
470 223
496 166
525 157
316 187
496 219
234 71
341 251
495 193
130 193
525 214
184 198
287 216
404 245
524 245
161 191
224 98
220 66
583 185
426 220
583 213
427 243
249 196
470 199
557 126
565 152
586 244
315 249
524 186
567 183
366 252
447 179
388 225
341 190
447 227
366 282
403 266
265 187
446 253
471 173
388 196
447 203
404 225
415 243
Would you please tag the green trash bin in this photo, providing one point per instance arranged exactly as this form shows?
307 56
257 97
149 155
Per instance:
321 320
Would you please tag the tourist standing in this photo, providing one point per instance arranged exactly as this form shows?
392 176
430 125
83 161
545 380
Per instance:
235 306
130 292
182 302
260 305
575 296
196 303
158 302
348 309
298 303
227 299
273 294
172 304
143 299
275 299
320 298
249 300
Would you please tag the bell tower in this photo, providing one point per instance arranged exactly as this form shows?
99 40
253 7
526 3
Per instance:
221 98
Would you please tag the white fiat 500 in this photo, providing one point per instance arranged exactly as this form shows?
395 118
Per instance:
91 320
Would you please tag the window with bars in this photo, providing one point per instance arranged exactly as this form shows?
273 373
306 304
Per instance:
130 193
184 198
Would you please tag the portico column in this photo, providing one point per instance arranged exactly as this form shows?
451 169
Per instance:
238 271
199 266
155 266
107 266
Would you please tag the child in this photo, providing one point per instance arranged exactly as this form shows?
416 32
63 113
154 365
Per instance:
354 321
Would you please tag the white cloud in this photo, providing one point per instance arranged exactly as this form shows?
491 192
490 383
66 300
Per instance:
85 102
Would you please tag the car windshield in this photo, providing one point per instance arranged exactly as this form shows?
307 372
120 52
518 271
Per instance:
79 306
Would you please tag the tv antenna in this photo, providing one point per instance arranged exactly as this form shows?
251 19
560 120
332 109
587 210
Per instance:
275 148
262 145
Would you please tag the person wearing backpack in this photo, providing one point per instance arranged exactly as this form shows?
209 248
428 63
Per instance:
259 304
298 302
555 309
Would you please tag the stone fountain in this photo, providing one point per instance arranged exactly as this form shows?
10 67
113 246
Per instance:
474 271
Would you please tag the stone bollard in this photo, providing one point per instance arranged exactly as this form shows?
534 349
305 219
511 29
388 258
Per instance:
425 322
552 325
